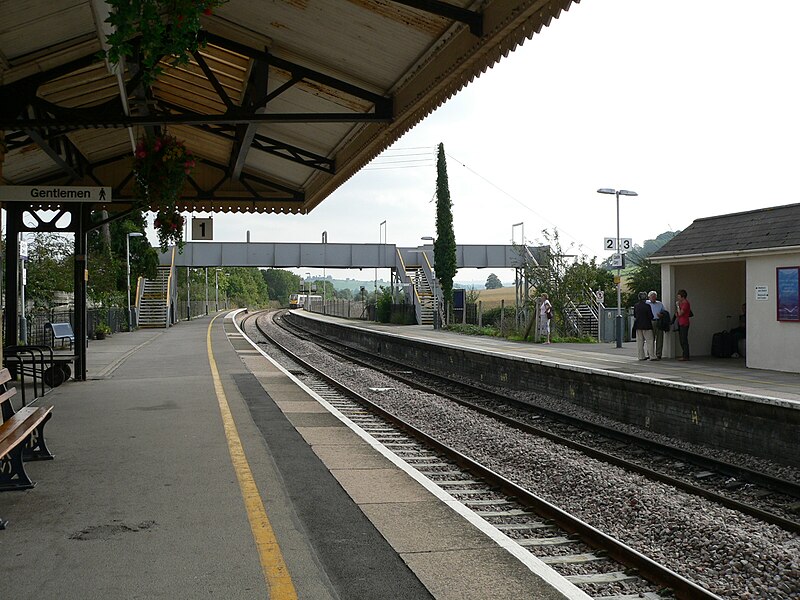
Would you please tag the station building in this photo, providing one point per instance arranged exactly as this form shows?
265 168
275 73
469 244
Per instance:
725 261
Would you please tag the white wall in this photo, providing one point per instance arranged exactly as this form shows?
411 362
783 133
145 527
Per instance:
716 291
771 344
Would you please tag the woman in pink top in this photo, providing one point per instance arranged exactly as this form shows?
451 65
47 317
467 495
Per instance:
683 310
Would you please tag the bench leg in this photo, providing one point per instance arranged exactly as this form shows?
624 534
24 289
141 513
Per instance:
35 447
12 472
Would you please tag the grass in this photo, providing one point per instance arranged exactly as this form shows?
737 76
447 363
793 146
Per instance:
492 332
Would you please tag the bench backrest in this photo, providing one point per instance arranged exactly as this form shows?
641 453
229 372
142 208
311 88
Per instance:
6 393
61 330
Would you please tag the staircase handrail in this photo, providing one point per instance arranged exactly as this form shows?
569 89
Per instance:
402 275
138 297
427 269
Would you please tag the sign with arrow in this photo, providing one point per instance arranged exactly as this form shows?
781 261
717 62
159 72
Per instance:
54 194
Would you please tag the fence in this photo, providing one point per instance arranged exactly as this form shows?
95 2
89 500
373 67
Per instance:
115 318
347 309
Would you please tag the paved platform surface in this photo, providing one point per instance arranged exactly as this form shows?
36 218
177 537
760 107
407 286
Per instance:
729 375
164 457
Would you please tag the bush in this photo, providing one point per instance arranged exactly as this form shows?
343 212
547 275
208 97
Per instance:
491 317
473 330
383 310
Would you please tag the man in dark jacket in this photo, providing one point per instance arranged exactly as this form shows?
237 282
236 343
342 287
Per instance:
643 324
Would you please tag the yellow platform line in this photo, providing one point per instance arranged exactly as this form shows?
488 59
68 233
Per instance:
277 577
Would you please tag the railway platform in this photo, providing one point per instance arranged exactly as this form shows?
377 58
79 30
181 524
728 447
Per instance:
191 466
706 401
725 375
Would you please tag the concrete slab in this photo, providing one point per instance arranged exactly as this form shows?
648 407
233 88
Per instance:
357 455
309 419
425 526
451 575
336 436
369 486
300 406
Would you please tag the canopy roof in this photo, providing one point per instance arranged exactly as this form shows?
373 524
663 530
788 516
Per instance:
287 100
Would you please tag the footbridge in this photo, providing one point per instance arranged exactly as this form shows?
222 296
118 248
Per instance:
285 255
412 270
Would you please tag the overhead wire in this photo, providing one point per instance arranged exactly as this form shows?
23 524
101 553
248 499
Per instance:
581 245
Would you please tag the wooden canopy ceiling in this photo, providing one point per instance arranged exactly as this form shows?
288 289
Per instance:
286 101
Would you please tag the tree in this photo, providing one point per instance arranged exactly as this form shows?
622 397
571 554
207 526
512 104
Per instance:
49 268
281 284
493 282
567 278
644 278
245 286
444 247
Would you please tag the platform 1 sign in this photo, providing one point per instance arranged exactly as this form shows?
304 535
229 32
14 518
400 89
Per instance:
54 193
202 229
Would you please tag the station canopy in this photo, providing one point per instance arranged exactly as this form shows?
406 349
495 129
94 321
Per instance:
285 101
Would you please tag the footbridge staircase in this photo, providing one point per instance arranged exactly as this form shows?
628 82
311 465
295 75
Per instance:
155 299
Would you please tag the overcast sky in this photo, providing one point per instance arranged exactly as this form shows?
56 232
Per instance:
694 105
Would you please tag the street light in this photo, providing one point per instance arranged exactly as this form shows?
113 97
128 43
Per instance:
381 237
618 193
128 270
216 289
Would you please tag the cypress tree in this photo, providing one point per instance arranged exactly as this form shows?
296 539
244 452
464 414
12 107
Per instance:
444 248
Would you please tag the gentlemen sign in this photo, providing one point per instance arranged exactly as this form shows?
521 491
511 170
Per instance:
54 193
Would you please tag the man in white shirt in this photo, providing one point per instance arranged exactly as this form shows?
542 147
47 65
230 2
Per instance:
657 307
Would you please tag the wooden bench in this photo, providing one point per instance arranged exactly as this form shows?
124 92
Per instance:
61 332
21 438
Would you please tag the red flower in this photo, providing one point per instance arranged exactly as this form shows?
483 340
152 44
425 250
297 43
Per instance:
157 223
140 153
208 11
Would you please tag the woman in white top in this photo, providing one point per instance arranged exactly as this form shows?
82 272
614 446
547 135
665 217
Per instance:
545 316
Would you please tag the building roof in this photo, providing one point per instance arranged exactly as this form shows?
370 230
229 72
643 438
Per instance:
762 229
284 103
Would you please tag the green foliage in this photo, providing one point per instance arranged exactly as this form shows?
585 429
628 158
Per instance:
50 268
164 28
383 309
473 329
444 247
244 286
493 282
281 284
107 266
646 276
567 277
491 317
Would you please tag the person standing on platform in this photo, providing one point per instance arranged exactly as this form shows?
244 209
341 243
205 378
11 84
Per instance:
545 316
643 324
658 309
683 312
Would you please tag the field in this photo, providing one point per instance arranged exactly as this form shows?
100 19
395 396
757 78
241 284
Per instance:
491 298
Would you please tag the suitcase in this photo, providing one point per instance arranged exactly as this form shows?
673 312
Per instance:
723 344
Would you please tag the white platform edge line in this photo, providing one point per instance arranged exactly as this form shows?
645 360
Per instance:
546 573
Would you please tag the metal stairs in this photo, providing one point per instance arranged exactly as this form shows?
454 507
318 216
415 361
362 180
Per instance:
588 324
153 303
427 301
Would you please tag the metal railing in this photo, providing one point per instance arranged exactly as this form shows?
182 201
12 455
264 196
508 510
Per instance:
115 317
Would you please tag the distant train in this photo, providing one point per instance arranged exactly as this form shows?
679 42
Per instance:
300 300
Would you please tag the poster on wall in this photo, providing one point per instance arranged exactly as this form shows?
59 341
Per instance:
788 284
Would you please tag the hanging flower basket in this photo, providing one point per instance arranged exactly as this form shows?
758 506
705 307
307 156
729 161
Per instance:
161 165
165 29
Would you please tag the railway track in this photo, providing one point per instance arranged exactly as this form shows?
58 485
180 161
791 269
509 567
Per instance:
602 566
771 499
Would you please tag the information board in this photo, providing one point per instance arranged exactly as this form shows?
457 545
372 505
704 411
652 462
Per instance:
788 286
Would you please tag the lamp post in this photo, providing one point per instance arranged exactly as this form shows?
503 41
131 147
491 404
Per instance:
216 289
128 271
324 275
618 193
